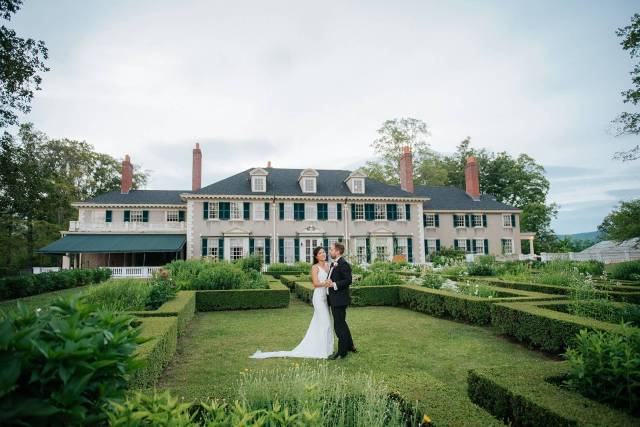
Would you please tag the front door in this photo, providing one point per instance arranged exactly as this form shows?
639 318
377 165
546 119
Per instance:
309 245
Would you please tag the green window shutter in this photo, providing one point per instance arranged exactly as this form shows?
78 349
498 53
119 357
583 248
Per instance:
468 245
267 250
513 220
323 212
145 216
180 216
426 247
221 248
266 210
325 245
455 243
455 218
127 216
395 246
368 247
298 211
108 216
251 246
281 211
407 212
424 220
281 250
437 217
296 249
205 249
224 210
392 214
369 211
339 211
205 210
467 220
409 249
353 211
474 248
486 246
437 245
246 208
484 220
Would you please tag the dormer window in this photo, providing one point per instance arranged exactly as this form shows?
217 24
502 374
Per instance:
358 185
258 180
308 180
355 182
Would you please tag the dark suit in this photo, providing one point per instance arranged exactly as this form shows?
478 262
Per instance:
339 300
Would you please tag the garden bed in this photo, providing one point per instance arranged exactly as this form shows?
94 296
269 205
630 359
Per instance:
527 398
183 306
538 324
361 296
156 353
277 296
468 308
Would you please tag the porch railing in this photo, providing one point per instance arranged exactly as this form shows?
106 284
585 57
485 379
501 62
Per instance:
135 272
126 226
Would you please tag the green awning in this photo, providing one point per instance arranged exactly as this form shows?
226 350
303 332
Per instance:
103 243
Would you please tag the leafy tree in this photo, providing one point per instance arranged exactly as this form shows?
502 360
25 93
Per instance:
622 223
21 61
628 123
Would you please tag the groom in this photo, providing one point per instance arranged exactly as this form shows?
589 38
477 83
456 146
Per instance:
339 299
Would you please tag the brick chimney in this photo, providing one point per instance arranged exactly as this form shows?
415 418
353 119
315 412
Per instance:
406 170
196 169
269 164
127 175
472 178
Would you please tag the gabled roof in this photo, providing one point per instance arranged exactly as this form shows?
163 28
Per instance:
452 198
284 182
138 197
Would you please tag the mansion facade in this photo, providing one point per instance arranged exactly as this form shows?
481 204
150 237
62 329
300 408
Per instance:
282 214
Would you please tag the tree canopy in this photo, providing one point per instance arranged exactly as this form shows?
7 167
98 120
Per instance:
622 223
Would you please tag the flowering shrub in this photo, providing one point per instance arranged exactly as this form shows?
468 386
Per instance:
433 281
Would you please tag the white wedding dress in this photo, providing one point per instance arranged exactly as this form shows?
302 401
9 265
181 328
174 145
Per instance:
318 341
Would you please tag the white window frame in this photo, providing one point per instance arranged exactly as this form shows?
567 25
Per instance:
172 216
401 212
236 211
310 211
430 220
308 185
506 221
136 215
288 211
213 210
359 212
289 251
432 246
502 244
258 211
234 245
361 249
259 184
463 246
357 185
332 211
258 243
403 246
380 212
479 246
474 223
460 219
212 250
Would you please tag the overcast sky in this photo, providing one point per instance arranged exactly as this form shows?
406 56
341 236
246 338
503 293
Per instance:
306 84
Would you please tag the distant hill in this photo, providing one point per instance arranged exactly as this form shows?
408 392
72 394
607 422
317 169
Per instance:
589 235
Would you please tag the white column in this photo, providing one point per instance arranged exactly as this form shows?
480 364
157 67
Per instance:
190 231
421 249
531 253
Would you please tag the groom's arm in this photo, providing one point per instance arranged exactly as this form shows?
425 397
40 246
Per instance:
345 280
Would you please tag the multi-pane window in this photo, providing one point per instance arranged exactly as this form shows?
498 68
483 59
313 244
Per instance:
359 211
401 249
236 249
136 216
459 220
432 246
258 211
361 250
289 251
213 251
259 183
213 210
236 210
507 246
173 216
506 221
381 249
476 220
258 247
380 211
311 211
309 185
332 211
288 211
430 220
358 185
400 212
479 246
461 244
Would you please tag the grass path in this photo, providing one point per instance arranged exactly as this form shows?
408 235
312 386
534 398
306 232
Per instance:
422 357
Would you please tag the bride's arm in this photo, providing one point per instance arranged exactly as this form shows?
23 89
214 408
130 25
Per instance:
314 277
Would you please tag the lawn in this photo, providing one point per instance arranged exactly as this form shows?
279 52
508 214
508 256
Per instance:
423 357
42 300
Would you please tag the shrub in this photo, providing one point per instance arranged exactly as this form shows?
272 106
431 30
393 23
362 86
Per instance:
161 289
380 278
276 296
389 266
303 267
606 367
481 269
215 276
35 284
60 366
446 256
155 354
433 281
119 295
477 290
251 263
154 409
629 270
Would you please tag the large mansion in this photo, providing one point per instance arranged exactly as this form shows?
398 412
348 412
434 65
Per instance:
282 214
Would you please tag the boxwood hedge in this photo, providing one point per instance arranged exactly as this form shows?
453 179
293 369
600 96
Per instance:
527 398
156 353
183 306
277 296
360 296
35 284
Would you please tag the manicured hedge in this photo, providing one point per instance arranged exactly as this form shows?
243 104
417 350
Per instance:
525 398
35 284
277 296
156 353
541 327
458 306
360 296
183 306
289 280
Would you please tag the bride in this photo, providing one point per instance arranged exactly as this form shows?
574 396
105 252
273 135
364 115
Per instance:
318 341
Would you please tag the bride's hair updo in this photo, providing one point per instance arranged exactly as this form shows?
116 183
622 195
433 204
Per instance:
315 254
